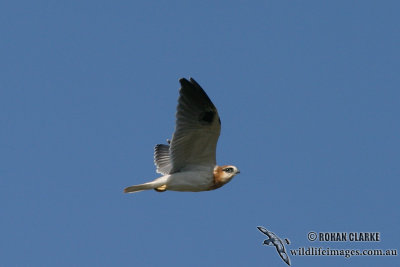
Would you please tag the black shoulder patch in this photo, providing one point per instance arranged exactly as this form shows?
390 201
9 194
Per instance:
207 116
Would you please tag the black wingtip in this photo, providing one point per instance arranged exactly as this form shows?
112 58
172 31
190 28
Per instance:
190 82
193 81
184 81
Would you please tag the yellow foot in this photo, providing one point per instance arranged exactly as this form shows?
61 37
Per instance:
162 188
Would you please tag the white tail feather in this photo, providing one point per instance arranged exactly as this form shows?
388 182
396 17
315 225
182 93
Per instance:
147 186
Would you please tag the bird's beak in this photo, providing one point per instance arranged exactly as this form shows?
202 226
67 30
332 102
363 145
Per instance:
237 172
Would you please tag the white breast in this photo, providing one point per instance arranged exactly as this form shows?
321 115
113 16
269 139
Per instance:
191 181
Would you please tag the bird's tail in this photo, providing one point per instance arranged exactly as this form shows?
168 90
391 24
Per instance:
146 186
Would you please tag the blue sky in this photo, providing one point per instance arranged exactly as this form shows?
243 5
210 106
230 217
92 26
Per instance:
308 94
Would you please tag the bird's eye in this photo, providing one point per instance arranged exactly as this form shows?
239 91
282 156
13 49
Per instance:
228 170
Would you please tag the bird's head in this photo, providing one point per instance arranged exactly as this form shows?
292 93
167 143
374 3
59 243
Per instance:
223 174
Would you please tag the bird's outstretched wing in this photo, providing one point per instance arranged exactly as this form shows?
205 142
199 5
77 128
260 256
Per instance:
162 159
197 129
264 231
284 257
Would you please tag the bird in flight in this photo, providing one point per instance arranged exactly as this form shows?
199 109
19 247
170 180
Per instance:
274 240
188 162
